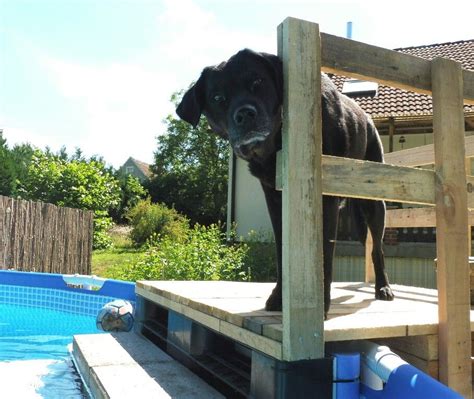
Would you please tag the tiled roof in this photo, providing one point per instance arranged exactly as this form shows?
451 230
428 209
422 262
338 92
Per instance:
397 102
143 166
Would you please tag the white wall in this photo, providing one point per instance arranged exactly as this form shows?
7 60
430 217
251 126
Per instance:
250 209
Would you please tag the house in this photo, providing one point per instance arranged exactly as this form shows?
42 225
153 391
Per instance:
141 170
404 120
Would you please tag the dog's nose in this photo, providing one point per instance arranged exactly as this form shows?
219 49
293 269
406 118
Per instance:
245 114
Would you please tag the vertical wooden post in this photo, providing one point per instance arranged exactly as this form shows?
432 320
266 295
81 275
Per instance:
452 226
303 303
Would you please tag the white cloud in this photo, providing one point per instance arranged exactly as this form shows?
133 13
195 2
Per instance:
122 106
192 38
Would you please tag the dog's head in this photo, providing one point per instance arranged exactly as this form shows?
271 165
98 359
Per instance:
241 99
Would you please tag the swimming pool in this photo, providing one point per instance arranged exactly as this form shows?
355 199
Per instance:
39 314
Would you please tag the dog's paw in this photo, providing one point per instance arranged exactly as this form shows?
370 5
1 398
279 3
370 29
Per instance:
274 302
384 293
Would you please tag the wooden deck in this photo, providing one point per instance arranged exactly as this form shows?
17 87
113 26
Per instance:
237 310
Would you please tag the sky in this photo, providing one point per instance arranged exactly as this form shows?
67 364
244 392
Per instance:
98 74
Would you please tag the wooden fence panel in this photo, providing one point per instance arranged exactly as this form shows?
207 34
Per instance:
40 237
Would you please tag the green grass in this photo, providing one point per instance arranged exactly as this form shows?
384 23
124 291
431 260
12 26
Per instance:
108 263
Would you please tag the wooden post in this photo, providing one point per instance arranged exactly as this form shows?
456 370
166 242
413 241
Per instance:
452 226
303 304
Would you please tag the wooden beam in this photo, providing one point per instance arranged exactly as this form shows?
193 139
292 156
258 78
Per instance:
354 178
303 304
413 217
392 68
452 227
423 155
416 217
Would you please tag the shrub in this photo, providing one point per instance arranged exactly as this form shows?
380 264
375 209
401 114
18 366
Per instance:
260 260
149 220
202 255
101 238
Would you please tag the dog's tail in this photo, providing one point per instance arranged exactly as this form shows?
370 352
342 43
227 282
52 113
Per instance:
358 219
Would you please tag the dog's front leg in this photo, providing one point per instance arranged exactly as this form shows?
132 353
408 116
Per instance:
273 199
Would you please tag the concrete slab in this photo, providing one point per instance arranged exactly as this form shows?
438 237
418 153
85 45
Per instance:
125 365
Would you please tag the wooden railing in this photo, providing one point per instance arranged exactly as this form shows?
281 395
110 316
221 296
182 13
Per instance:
40 237
306 175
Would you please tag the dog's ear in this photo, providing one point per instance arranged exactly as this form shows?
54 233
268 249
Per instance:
191 106
275 67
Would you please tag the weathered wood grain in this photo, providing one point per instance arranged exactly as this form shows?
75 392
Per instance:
354 178
40 237
392 68
423 155
452 227
303 303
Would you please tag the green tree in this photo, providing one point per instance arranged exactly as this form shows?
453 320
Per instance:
7 171
131 192
75 183
13 165
190 170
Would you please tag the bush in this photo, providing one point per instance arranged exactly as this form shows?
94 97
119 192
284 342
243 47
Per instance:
260 260
101 238
149 220
202 255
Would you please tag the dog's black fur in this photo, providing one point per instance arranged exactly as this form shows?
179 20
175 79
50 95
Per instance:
242 100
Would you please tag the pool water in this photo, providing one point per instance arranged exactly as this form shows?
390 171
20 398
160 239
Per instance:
39 314
39 333
34 356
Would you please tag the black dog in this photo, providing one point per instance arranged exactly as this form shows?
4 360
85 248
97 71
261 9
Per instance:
242 101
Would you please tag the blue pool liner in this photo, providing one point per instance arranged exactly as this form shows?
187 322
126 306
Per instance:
113 288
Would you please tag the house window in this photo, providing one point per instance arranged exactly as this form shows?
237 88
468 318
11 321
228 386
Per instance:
359 88
129 170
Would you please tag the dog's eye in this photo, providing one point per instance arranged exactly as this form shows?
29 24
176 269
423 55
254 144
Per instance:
218 98
255 84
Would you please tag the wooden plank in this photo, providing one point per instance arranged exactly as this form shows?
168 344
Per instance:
372 180
452 227
356 178
303 303
411 217
249 338
430 367
423 155
392 68
423 346
416 217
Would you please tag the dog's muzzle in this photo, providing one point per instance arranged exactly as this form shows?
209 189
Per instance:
250 144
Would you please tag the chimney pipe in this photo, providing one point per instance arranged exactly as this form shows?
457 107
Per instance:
349 30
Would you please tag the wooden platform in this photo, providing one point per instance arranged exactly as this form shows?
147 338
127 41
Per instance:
237 311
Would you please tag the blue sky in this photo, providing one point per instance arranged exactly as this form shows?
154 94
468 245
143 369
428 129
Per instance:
98 74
